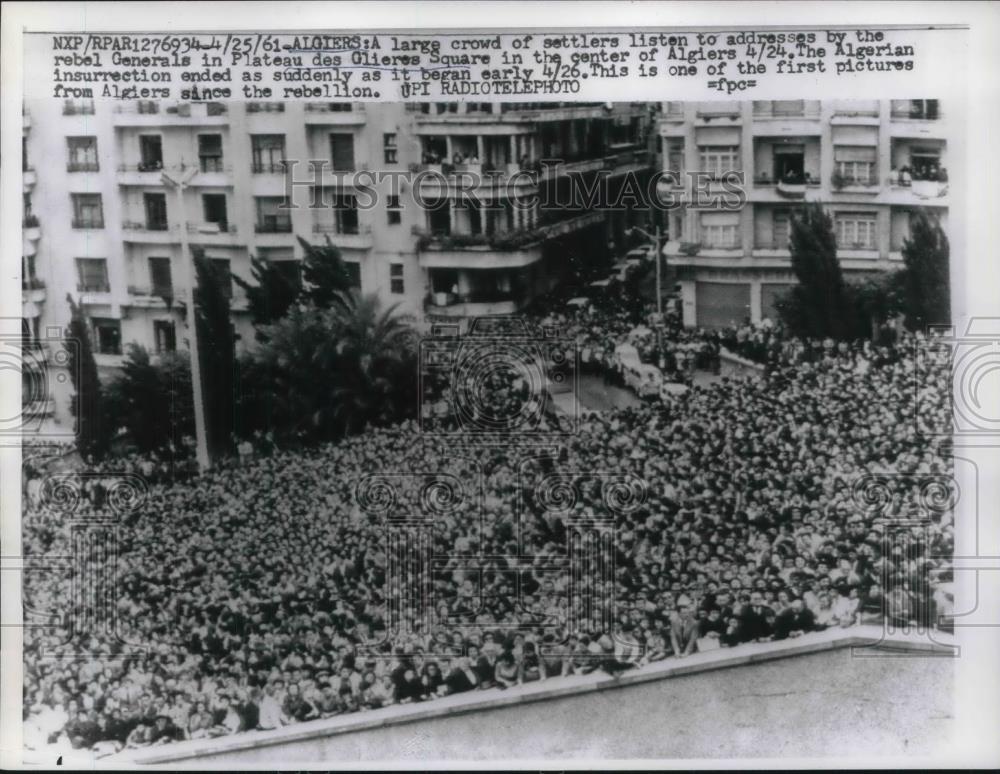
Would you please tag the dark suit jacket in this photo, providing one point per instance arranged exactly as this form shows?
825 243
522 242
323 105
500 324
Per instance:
458 681
753 624
790 621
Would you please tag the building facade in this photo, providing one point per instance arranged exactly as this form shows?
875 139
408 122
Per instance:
872 164
437 207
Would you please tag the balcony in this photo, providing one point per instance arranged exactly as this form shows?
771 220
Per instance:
213 233
930 189
88 223
790 187
83 166
774 250
851 185
273 224
358 239
154 297
147 113
268 167
141 173
94 293
28 177
855 112
718 114
265 107
32 231
335 113
470 305
500 250
33 291
78 108
155 232
625 161
917 119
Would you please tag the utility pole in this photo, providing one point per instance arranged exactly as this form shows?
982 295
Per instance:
658 246
658 258
180 184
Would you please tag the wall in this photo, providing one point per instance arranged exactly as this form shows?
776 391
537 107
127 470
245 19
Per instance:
808 697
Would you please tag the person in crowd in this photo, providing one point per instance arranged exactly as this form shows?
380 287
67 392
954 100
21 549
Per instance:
684 629
794 621
506 672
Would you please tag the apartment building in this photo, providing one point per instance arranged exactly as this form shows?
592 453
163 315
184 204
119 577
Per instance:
118 195
873 164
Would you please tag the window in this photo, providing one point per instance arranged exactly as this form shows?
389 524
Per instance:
389 147
396 278
214 207
271 217
346 213
393 213
150 152
719 236
265 107
165 336
92 274
25 166
856 230
107 336
781 229
439 217
156 211
717 160
675 157
82 154
224 275
353 269
160 278
87 211
268 152
855 163
720 230
78 107
342 151
924 109
210 152
788 107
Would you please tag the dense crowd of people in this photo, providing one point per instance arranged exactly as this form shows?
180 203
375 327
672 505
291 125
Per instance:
262 593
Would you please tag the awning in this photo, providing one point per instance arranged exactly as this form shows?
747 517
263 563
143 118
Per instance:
854 153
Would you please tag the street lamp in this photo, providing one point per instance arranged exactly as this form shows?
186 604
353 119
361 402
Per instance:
179 184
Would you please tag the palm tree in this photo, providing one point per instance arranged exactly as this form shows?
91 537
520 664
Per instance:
322 373
373 349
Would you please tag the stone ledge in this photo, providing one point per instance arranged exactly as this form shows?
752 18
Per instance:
864 636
